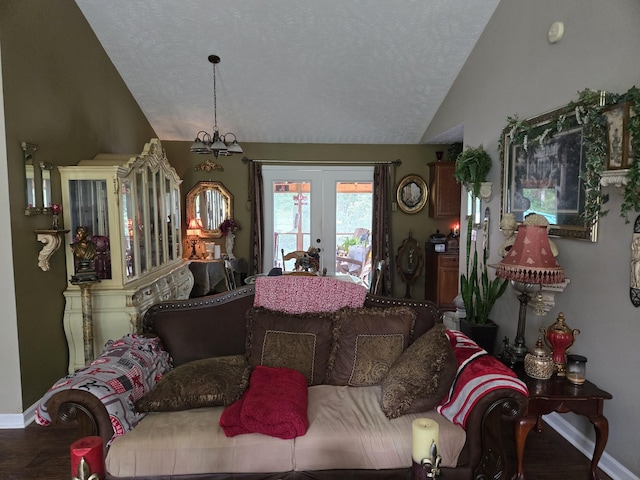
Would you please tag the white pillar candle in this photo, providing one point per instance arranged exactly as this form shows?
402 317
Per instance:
216 252
425 431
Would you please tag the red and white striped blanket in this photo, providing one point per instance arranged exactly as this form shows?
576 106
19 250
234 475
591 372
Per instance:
478 374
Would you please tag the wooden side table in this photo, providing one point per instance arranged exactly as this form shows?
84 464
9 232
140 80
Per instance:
559 395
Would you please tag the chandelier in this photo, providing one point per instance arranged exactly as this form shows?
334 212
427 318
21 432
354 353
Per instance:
215 142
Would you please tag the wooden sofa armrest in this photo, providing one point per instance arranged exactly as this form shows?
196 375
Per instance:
68 406
489 423
101 396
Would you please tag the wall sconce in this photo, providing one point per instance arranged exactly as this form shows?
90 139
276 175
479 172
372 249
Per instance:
194 232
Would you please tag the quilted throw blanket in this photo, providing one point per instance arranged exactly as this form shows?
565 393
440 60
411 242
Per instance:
275 404
478 374
116 377
307 294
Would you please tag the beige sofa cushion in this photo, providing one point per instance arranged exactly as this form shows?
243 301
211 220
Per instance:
348 430
192 442
369 341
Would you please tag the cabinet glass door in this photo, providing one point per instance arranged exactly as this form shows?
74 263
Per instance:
89 209
129 226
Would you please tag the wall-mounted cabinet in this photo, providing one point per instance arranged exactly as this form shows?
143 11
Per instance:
445 191
130 207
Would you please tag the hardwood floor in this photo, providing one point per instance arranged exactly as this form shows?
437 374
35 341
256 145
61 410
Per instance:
42 453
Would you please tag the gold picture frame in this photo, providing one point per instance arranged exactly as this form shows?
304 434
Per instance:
545 175
412 194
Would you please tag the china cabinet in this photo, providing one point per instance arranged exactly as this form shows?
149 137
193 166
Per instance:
130 207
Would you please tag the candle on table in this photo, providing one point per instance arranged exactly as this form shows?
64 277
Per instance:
425 432
92 450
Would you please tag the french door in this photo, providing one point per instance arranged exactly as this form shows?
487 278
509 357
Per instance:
315 206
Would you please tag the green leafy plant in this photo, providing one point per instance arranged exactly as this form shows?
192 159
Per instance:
479 294
472 168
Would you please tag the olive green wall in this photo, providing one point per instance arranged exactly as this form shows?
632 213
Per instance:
62 93
235 177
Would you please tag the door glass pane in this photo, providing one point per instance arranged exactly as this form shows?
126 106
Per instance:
291 219
353 228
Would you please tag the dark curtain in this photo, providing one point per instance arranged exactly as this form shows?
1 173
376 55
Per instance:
381 228
257 217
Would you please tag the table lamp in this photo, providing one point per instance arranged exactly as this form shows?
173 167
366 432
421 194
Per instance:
528 265
194 231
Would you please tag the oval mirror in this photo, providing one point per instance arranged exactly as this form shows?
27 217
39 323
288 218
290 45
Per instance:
212 203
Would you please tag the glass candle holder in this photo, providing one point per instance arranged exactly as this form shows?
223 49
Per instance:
576 369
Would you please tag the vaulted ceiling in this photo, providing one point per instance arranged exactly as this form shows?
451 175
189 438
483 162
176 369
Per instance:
293 71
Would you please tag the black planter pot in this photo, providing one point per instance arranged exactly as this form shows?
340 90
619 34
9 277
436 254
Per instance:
484 335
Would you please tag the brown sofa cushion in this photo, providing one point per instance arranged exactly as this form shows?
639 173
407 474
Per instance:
369 341
421 376
302 342
202 383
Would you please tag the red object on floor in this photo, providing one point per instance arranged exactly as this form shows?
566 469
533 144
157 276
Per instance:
92 449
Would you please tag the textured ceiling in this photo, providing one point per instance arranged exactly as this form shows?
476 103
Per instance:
294 71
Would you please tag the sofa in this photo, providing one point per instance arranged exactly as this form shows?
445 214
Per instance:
364 370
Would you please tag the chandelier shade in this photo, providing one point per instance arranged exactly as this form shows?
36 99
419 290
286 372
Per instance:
215 142
530 259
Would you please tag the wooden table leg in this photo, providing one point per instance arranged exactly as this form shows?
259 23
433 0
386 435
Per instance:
522 427
601 425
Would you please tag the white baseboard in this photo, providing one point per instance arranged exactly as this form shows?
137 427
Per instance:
17 420
584 444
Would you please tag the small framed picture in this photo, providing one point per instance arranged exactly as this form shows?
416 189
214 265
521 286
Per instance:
412 194
617 136
629 142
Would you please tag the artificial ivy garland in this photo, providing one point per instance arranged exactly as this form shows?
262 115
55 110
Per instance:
589 112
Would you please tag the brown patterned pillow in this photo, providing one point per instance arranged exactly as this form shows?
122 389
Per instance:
421 376
201 383
369 341
302 342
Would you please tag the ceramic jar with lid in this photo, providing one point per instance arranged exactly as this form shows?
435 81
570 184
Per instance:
576 369
538 362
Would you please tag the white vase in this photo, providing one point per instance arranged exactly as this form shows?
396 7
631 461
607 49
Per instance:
229 245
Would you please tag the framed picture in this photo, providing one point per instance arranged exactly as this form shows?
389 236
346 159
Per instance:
629 141
618 141
412 194
542 173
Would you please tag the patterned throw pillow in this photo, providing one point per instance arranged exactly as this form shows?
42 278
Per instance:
421 376
369 341
201 383
303 342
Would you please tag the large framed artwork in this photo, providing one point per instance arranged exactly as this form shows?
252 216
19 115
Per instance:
544 158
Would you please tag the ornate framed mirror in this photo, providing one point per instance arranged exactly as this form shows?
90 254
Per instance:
212 203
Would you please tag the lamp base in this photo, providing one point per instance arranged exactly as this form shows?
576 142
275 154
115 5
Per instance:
515 354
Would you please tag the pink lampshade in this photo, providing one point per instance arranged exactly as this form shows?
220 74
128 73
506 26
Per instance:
195 227
531 260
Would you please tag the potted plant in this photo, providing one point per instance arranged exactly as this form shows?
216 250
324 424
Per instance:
472 168
479 295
